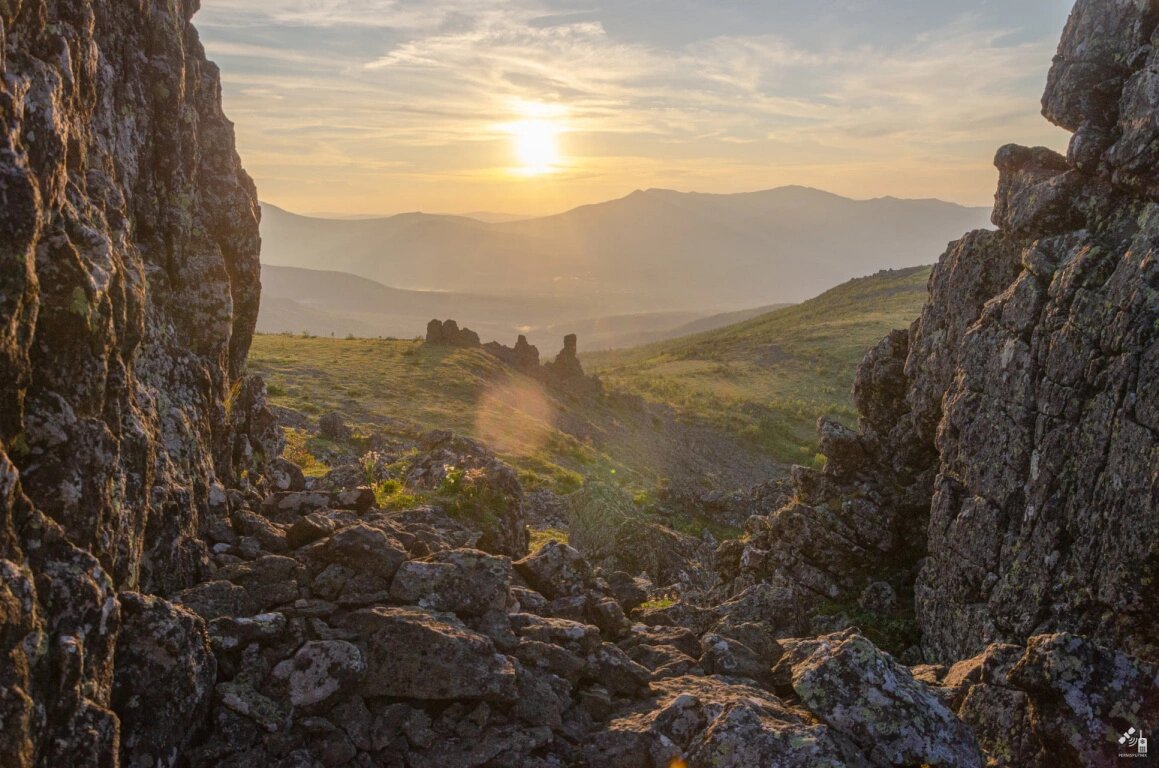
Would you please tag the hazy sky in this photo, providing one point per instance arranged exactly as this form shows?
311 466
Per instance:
534 106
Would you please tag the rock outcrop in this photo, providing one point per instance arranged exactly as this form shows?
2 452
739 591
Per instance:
565 373
1009 443
448 334
1049 433
129 290
1006 463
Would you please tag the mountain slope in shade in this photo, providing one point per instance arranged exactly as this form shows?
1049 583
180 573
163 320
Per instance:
654 250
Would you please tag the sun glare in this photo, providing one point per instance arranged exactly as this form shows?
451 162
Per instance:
536 145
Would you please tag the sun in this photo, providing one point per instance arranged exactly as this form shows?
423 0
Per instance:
536 145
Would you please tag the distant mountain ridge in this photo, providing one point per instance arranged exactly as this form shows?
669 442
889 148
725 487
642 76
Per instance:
653 250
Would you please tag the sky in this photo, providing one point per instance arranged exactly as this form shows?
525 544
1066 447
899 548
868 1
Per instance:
360 107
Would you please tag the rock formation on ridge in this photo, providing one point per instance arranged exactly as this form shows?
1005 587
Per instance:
1018 413
564 373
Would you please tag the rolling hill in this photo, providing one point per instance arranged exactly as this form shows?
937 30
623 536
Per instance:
728 407
651 251
769 378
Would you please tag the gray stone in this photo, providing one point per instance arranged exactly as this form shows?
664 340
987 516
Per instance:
321 670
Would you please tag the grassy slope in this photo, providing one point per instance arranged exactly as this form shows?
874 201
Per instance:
408 387
770 378
763 381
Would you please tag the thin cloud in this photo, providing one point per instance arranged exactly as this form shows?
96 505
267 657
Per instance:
422 86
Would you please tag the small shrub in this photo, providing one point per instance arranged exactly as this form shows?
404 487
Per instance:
658 604
393 495
543 536
298 451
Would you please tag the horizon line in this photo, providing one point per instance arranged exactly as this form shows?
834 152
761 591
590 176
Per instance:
334 216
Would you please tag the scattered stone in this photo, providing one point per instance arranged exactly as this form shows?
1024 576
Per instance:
269 581
320 671
229 633
333 427
308 529
413 654
285 475
217 599
878 597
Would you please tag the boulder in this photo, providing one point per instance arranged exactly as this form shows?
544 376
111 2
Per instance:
463 581
864 694
366 550
413 654
708 723
1084 696
333 427
320 671
217 599
291 504
165 674
556 570
269 581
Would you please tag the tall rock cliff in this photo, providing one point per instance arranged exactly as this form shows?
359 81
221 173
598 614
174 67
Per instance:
1047 492
129 285
1006 469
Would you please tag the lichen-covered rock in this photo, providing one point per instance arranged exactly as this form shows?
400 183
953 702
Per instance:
290 504
557 570
269 581
413 654
129 282
1084 696
465 582
164 679
1000 719
321 670
863 693
704 722
367 550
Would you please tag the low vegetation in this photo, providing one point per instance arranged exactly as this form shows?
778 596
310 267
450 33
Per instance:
770 378
753 392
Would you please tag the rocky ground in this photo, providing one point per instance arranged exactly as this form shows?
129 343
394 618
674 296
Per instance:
335 634
175 594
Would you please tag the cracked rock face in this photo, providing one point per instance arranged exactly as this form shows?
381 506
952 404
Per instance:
1049 439
1006 469
128 295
